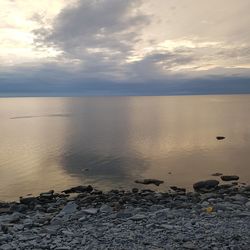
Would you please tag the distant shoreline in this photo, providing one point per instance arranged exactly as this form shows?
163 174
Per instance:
117 95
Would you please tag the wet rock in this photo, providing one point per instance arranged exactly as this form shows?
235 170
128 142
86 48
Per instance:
149 181
205 185
219 138
177 189
229 177
28 200
47 196
135 190
217 174
79 189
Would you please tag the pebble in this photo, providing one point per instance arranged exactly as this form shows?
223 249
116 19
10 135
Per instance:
218 219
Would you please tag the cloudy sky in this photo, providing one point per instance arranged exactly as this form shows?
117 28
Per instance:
134 47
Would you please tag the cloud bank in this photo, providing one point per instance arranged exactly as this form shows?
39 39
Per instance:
133 47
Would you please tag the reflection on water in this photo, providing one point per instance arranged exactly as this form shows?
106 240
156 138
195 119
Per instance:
111 141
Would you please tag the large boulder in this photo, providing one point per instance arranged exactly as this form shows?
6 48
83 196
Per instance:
205 185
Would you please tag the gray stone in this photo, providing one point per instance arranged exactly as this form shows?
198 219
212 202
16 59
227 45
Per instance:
138 217
189 245
208 184
90 211
106 209
248 204
70 208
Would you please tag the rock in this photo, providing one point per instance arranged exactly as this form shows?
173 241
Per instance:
6 247
135 190
229 177
149 181
138 217
47 195
90 211
28 200
205 185
62 248
106 209
83 218
79 189
217 174
70 208
189 245
220 138
177 189
239 198
248 204
5 210
68 233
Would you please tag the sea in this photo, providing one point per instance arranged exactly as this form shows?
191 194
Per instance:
109 142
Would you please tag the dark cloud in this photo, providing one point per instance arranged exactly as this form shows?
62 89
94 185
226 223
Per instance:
107 27
99 44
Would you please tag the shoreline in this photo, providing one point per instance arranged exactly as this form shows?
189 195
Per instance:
212 217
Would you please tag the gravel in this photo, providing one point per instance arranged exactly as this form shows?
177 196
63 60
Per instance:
138 219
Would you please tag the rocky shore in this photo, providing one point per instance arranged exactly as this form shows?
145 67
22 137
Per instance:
212 217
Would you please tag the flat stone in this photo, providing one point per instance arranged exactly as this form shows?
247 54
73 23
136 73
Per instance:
149 181
217 174
229 177
28 200
62 248
83 218
208 184
189 245
70 208
68 233
248 204
90 211
106 209
220 137
78 189
138 217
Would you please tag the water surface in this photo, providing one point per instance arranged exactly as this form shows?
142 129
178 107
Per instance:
54 143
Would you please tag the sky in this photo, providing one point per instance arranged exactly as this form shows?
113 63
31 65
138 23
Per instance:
124 47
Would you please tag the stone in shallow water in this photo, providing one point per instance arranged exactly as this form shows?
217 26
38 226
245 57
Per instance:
78 189
217 174
149 181
208 184
219 138
229 177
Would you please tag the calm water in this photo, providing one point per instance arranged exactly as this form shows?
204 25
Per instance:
49 143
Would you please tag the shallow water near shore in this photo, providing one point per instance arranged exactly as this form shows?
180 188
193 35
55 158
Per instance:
108 142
